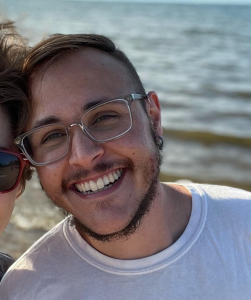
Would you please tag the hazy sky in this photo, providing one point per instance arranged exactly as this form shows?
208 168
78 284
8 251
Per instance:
183 1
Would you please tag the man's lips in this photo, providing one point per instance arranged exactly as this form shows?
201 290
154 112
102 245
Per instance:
102 183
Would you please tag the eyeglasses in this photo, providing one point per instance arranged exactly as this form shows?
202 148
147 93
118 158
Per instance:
101 123
11 168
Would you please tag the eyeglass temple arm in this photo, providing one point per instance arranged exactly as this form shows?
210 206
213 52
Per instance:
138 97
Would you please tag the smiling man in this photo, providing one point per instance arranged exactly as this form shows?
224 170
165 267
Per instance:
94 136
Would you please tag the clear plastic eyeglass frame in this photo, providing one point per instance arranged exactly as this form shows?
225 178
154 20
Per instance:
19 141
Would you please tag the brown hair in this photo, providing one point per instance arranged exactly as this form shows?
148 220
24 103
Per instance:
13 88
49 50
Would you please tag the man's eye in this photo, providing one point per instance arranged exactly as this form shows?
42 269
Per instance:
105 118
53 137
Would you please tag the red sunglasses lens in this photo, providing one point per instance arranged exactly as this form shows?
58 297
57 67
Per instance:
9 171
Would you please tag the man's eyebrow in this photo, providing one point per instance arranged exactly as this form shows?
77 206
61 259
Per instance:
54 120
92 103
46 121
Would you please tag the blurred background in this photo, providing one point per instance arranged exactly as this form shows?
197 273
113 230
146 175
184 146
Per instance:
196 57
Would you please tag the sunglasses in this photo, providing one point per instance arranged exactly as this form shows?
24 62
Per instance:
12 165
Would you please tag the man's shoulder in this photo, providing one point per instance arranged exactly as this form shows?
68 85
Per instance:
40 248
221 195
226 203
219 192
49 259
34 262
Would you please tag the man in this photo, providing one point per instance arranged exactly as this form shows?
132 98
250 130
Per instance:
95 137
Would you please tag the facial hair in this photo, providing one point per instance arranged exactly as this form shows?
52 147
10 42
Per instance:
144 202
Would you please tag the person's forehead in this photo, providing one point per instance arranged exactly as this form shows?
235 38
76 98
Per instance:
85 61
77 78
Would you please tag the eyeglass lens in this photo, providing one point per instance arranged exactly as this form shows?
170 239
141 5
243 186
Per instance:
9 171
102 123
107 121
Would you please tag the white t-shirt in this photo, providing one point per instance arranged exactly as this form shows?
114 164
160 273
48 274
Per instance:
211 260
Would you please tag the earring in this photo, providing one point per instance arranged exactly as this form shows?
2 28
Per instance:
160 142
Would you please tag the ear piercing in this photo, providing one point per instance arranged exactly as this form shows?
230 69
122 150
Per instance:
160 142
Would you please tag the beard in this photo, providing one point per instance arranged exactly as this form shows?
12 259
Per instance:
151 178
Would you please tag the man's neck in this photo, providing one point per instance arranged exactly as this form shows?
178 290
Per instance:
159 229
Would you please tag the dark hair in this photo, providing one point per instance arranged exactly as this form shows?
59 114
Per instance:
49 50
13 89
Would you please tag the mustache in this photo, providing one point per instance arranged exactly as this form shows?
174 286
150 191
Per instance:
100 168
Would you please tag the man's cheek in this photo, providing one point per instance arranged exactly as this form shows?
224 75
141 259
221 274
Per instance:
48 177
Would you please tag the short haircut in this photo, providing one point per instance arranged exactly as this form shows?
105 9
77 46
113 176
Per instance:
13 89
46 52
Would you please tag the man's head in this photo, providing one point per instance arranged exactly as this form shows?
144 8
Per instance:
50 50
107 186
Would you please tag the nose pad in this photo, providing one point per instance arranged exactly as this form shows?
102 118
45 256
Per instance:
83 150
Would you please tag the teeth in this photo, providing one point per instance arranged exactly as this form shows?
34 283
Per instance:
83 187
79 187
111 178
101 183
106 180
93 186
87 186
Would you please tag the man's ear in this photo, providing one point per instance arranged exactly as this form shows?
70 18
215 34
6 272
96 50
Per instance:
154 111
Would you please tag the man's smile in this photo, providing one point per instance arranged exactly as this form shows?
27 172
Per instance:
102 183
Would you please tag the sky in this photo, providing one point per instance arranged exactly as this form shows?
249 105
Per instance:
181 1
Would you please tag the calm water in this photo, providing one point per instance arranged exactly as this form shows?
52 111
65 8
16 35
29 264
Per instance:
197 58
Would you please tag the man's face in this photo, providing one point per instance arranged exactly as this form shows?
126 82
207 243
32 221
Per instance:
61 92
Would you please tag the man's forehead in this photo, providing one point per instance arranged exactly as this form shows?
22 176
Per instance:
39 120
89 63
86 57
80 79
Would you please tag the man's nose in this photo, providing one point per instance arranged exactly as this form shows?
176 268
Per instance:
83 150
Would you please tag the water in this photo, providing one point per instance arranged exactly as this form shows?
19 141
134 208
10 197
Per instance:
196 57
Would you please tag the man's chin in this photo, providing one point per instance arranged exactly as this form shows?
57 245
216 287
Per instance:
144 206
86 231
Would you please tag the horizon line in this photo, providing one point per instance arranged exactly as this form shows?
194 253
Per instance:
166 2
